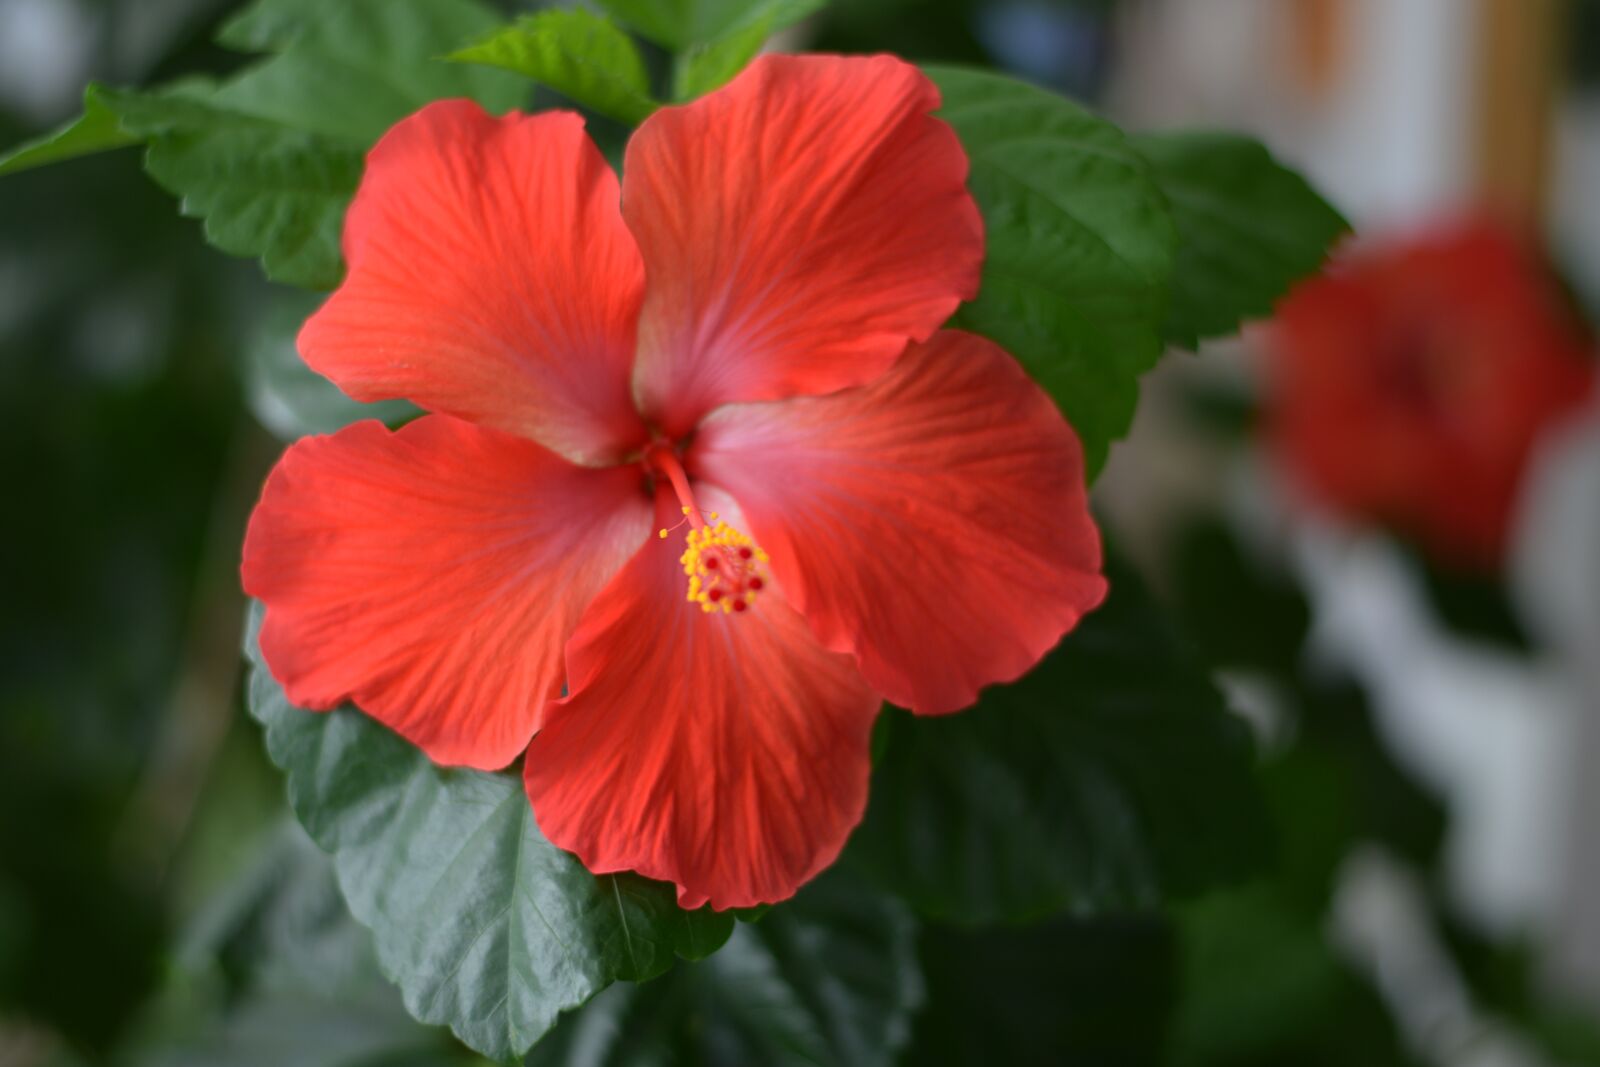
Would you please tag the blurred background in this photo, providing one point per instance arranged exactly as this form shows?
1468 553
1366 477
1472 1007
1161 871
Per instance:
1427 735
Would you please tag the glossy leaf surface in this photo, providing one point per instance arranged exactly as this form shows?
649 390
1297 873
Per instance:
483 924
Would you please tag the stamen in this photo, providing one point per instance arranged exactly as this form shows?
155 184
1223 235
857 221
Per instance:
723 565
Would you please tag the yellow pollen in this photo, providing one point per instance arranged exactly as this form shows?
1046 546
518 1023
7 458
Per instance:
724 567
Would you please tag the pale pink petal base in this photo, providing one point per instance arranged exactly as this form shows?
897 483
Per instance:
727 754
934 522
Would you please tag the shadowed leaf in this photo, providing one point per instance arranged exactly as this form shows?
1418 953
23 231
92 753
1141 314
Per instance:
1079 247
484 925
1111 777
577 53
1248 229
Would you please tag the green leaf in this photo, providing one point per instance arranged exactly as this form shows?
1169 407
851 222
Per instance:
1337 785
1263 985
281 921
1080 247
705 67
579 54
1248 229
270 158
356 67
281 1027
1111 777
829 977
262 189
275 183
1243 613
346 70
288 397
1068 991
272 970
399 28
483 924
96 130
710 62
678 24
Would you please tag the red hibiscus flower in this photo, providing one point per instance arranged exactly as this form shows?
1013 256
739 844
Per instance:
703 481
1410 385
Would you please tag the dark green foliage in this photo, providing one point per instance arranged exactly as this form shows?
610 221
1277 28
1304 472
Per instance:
1110 780
288 397
270 157
484 925
1262 986
1075 991
119 421
1080 247
1110 777
1240 613
1248 229
579 54
830 977
680 24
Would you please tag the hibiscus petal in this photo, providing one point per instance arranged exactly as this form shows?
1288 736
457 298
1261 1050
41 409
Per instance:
491 278
798 226
934 522
725 753
433 575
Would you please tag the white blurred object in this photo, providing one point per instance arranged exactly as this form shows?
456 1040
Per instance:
1387 138
45 47
1555 568
1488 729
1575 209
1392 141
1381 919
1556 581
1388 132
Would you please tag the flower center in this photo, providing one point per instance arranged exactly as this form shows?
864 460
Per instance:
724 567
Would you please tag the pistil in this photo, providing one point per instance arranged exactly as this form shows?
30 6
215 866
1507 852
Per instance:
723 565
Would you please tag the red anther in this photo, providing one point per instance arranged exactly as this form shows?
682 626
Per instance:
710 563
745 553
739 605
756 583
714 595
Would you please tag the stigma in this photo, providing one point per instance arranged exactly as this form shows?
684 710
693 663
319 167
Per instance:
724 567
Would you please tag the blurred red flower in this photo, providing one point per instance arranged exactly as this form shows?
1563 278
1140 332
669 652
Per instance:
1410 383
744 335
